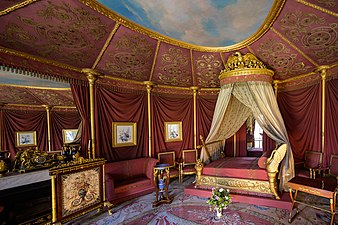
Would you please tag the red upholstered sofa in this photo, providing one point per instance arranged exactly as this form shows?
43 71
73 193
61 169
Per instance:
129 179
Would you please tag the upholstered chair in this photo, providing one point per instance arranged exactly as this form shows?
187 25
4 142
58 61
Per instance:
189 159
169 158
312 165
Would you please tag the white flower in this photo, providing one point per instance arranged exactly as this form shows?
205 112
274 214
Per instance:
221 190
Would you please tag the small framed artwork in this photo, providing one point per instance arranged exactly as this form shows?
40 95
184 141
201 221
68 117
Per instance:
173 131
124 134
69 135
25 138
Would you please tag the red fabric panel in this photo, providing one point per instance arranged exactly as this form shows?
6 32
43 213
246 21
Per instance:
241 146
238 167
229 147
81 99
59 121
268 143
301 111
15 120
331 121
205 107
172 109
112 106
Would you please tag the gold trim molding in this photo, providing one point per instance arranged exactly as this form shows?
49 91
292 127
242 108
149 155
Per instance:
17 6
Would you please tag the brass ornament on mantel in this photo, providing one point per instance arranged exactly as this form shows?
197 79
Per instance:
238 64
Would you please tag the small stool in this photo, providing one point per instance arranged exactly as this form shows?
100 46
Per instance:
161 182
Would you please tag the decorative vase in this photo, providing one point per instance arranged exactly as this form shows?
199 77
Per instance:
219 214
5 162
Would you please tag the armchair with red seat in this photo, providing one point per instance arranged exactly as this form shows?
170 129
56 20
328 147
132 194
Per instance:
129 179
332 175
312 165
189 160
169 158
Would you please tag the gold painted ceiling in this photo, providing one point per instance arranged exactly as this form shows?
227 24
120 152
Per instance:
57 39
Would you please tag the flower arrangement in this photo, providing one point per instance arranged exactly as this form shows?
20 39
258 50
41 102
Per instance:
220 199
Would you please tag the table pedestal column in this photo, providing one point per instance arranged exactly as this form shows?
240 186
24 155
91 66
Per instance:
161 182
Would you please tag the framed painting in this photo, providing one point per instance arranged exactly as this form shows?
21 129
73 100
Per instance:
124 134
25 138
173 131
76 189
68 135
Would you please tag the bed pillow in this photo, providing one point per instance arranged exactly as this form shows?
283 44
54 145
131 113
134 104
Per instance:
262 161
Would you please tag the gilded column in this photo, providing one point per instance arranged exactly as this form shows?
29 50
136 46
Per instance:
322 71
48 108
195 91
92 76
149 87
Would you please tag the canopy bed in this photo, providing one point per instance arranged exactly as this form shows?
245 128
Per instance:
246 88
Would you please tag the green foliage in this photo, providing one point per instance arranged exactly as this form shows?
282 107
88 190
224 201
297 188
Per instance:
220 198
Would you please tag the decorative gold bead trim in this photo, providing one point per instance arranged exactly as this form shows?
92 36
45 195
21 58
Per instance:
17 6
318 8
245 72
38 59
111 35
33 87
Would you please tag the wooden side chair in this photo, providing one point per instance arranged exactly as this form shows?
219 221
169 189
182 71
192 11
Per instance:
189 159
169 158
312 165
333 169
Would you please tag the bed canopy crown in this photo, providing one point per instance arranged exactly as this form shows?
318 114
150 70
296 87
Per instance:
241 68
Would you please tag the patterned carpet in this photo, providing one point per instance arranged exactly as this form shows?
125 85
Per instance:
188 209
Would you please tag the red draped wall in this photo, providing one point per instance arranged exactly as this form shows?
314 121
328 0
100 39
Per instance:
241 146
25 120
81 99
268 143
205 107
331 121
112 106
62 120
301 110
172 109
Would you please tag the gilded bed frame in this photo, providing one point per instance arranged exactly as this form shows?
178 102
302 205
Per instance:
258 186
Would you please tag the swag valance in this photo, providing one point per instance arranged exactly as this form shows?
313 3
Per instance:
246 88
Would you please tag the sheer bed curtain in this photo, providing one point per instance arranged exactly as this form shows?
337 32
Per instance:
228 118
259 96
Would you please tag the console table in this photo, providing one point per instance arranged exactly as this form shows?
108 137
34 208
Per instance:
319 187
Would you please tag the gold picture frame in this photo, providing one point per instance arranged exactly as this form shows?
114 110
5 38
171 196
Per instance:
124 134
25 138
173 131
68 135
